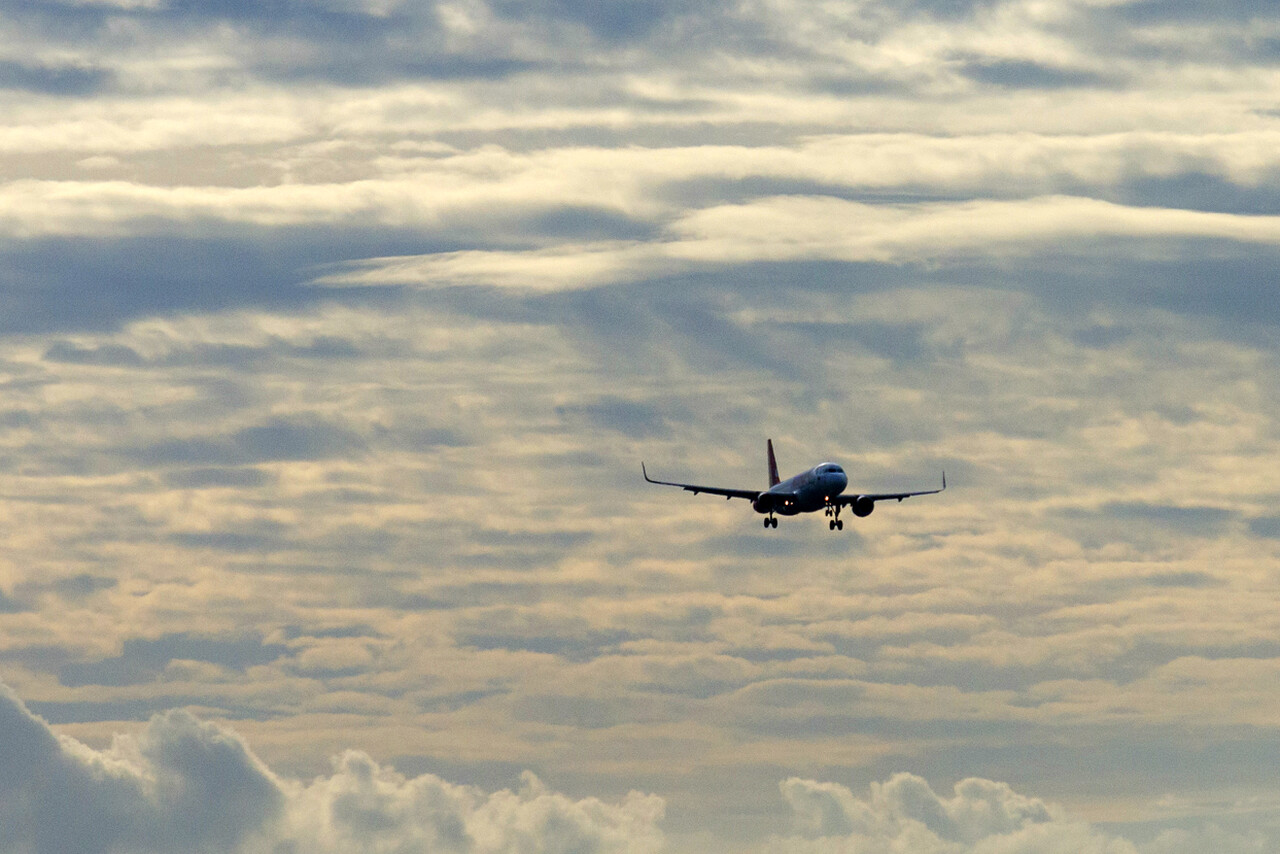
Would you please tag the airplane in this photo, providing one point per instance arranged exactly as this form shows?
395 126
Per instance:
819 488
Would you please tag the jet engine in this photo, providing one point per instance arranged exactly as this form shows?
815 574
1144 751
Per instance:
862 506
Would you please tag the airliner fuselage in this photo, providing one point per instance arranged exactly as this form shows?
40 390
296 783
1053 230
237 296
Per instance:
804 493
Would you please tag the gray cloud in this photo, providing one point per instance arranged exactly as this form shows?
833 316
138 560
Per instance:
561 635
184 785
1188 519
64 80
1198 191
622 415
275 441
1156 11
143 659
144 276
611 20
71 588
950 9
1266 526
359 45
105 356
202 789
214 478
349 46
901 342
1024 74
225 355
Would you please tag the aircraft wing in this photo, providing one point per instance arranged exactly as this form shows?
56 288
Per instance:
888 496
749 494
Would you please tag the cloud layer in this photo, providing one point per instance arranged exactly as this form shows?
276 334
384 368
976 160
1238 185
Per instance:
186 785
334 335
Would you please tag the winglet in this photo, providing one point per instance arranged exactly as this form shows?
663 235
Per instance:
944 478
646 473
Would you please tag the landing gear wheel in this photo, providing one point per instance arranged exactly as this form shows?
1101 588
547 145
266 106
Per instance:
839 525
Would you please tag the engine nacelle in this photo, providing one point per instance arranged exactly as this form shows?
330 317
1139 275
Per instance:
862 506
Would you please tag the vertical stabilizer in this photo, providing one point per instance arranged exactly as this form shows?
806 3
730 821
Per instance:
774 480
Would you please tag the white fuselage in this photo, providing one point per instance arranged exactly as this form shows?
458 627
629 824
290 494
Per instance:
804 493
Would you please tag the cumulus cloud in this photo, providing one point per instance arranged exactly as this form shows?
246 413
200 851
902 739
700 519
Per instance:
184 785
181 786
981 817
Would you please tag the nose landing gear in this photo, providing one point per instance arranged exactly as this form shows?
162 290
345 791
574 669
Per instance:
833 511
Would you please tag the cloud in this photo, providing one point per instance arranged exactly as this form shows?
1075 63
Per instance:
181 786
142 660
628 417
149 276
295 439
347 44
185 785
1161 11
905 814
362 805
1197 519
67 80
334 332
856 232
1266 526
610 20
798 229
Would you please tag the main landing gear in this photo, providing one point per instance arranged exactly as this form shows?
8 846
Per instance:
770 522
833 511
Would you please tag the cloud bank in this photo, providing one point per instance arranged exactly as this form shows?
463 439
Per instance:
981 817
183 785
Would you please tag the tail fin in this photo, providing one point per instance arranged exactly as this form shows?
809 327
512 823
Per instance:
774 480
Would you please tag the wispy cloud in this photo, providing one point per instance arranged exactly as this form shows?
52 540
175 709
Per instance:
333 336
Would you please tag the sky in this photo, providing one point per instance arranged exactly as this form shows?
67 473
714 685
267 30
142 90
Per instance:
333 336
